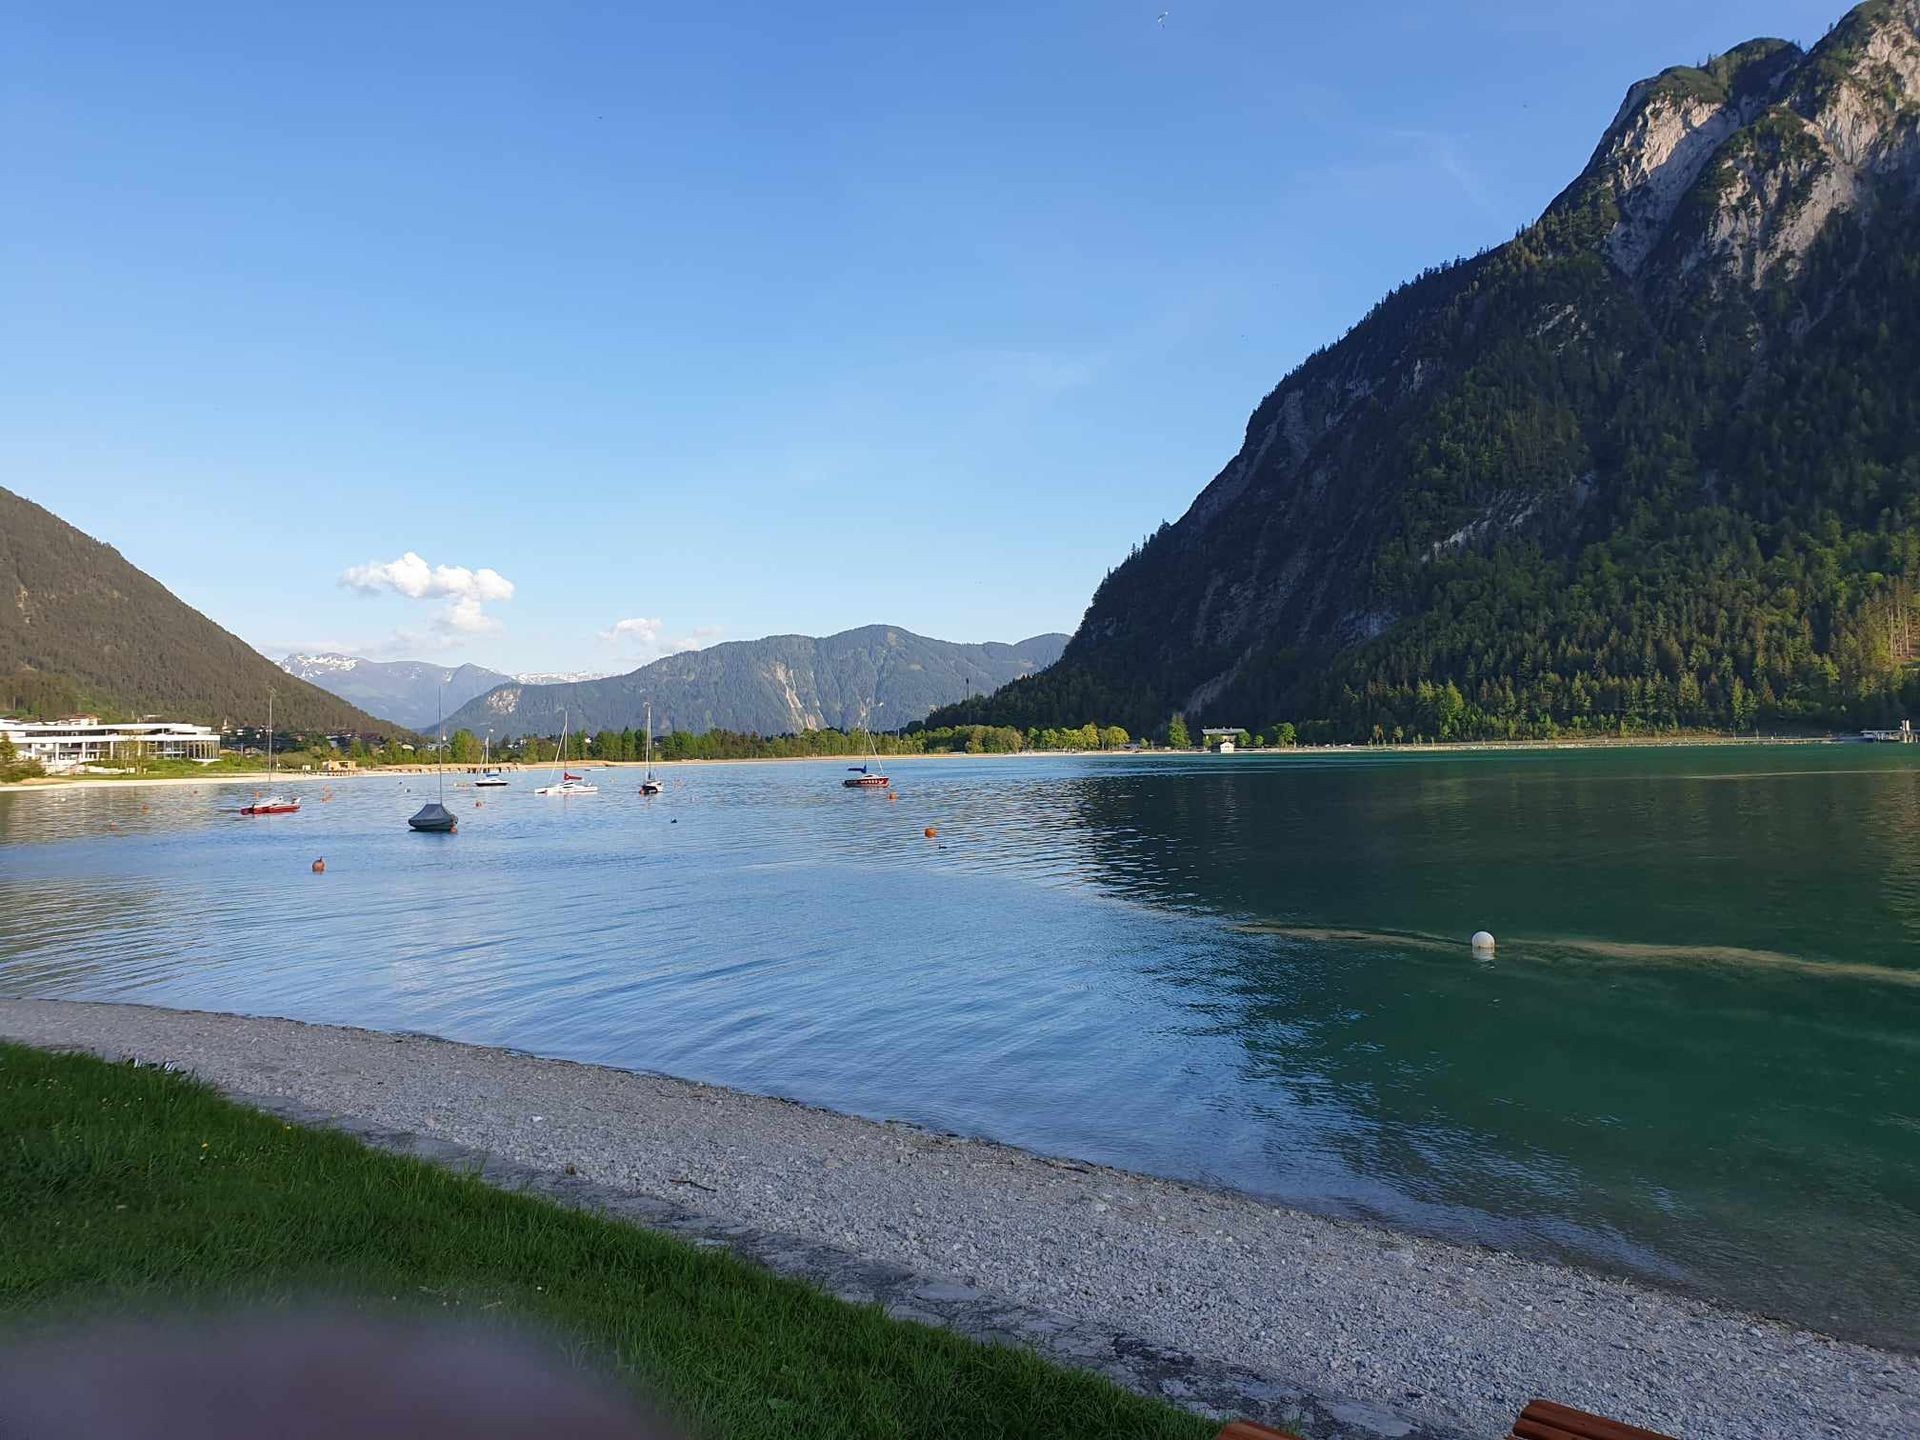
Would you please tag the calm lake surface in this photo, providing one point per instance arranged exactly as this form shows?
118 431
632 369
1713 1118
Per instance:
1695 1059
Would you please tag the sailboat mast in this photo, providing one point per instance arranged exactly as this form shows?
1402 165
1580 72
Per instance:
269 737
440 719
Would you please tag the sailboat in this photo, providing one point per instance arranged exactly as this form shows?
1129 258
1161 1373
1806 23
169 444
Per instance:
865 777
434 818
565 782
649 785
270 803
489 774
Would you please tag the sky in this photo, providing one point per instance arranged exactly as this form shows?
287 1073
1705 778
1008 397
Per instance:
561 336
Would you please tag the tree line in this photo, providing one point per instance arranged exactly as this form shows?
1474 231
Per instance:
627 745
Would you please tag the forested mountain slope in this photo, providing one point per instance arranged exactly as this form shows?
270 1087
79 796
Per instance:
879 675
1654 462
80 628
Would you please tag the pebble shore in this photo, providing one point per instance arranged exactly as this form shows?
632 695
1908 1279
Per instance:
1208 1298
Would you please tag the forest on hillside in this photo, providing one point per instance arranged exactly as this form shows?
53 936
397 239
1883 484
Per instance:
85 631
1636 523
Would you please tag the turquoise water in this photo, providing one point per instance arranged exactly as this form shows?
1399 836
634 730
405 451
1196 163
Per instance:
1696 1057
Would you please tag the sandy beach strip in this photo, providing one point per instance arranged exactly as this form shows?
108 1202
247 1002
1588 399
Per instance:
1389 1334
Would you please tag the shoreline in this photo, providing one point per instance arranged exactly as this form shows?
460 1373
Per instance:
136 782
1273 754
1370 1320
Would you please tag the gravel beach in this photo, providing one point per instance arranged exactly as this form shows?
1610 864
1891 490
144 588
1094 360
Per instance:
1397 1334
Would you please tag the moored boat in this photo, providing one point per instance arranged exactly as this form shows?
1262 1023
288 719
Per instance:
565 782
490 775
271 803
433 818
649 785
864 777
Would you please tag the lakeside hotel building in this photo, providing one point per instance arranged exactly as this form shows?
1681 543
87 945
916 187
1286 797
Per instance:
62 745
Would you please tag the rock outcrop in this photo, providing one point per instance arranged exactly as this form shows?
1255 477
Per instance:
1710 272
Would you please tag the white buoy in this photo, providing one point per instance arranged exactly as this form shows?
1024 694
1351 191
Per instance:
1482 943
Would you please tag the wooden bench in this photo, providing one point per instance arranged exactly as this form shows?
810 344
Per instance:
1247 1430
1542 1420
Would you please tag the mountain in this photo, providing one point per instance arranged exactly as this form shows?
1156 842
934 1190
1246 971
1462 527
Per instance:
1655 461
776 686
83 629
403 691
559 677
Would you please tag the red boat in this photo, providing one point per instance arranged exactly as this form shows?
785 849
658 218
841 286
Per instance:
863 776
270 803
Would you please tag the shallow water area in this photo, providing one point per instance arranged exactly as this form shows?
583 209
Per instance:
1695 1056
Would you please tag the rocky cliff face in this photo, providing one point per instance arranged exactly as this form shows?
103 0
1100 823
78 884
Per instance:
1735 171
1722 236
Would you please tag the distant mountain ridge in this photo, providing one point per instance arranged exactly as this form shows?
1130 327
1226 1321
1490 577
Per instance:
560 677
403 691
82 628
879 675
1653 463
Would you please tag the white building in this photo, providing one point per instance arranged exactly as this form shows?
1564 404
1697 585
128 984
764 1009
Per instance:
62 745
1222 738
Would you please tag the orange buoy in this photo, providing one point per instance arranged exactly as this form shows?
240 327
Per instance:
930 832
319 867
893 794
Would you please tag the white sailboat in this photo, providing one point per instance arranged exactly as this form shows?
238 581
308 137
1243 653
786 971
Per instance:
489 773
649 785
564 781
271 803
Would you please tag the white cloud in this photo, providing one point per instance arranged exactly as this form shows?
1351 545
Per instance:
463 616
642 638
465 591
638 631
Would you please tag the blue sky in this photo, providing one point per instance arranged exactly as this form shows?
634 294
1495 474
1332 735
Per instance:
726 319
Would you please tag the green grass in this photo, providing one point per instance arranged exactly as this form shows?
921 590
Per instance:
131 1188
162 767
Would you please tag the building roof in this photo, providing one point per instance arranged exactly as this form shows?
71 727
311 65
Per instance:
92 726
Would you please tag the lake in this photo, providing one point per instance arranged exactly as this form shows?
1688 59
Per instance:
1695 1057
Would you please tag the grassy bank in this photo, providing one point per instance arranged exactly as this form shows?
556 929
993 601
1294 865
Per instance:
130 1187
